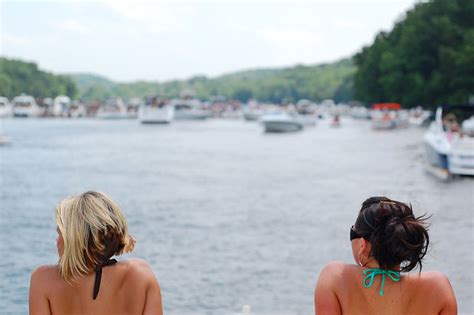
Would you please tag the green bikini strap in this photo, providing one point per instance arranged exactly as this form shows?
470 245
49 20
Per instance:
371 273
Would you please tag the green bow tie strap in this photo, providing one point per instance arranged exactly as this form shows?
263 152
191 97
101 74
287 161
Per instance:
371 273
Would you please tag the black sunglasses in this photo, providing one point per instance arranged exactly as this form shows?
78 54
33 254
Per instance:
353 234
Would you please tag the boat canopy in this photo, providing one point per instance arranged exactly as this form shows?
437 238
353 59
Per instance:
386 106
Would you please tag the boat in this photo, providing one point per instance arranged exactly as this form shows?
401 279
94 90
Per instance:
282 122
306 112
25 106
4 140
77 110
336 122
61 106
156 111
114 109
417 117
360 112
449 141
189 109
388 116
5 107
252 113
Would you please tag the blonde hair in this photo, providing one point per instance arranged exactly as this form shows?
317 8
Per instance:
93 229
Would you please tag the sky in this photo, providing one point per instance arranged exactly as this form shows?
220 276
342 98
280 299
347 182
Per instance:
163 40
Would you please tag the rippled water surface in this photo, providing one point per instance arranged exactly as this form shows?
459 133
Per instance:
226 215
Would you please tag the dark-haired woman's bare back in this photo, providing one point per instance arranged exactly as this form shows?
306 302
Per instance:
127 287
340 290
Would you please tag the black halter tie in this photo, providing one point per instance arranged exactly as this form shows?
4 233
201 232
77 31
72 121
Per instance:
98 276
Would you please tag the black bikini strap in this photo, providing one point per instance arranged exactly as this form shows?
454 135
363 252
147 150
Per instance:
98 276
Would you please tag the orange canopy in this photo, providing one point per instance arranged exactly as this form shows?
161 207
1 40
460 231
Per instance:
386 106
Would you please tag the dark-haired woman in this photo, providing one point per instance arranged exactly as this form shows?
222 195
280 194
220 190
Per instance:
387 239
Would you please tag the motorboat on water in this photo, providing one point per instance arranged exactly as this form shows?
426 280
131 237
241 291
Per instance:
4 140
306 112
252 114
449 142
189 109
61 105
77 110
156 111
25 106
418 117
388 116
114 109
5 107
360 112
282 122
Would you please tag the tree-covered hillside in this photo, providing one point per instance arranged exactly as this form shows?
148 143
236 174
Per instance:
318 82
427 59
18 77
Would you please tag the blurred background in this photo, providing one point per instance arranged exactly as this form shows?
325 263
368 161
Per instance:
239 137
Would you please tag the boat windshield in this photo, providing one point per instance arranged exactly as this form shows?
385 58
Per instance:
459 119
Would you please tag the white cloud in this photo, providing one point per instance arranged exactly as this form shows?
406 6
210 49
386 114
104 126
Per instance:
16 40
73 26
157 16
286 35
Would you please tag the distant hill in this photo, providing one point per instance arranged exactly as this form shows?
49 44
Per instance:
317 82
87 79
17 76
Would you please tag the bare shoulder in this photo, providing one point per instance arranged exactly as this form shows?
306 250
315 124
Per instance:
434 277
334 269
45 272
138 268
333 272
433 283
44 280
436 280
440 290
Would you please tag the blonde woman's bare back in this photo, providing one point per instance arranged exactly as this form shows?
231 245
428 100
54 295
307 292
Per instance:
340 290
127 287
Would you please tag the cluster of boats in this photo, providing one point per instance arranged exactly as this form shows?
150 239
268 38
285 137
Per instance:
26 106
448 142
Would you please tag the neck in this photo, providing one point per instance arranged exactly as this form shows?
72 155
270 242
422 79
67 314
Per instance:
373 264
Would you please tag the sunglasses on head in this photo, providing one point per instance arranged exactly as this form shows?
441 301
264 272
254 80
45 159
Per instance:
353 234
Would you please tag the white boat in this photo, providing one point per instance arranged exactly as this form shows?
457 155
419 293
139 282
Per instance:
156 111
61 105
418 117
25 106
114 109
189 109
449 144
4 140
388 116
360 112
306 112
252 114
308 120
281 122
231 114
5 107
77 110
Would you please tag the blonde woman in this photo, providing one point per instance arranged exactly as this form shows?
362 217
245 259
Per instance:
87 280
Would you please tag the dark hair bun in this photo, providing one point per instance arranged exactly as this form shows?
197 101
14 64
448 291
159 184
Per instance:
397 237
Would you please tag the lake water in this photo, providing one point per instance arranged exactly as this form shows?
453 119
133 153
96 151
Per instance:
226 215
